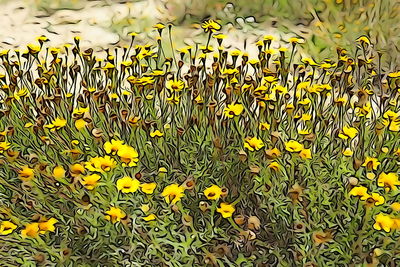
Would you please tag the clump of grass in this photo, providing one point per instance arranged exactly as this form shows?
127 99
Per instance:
199 157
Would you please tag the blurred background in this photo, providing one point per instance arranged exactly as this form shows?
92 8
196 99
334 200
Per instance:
324 24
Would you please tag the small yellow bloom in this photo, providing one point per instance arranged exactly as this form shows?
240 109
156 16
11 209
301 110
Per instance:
371 163
388 180
175 85
56 124
80 124
114 214
77 169
395 206
159 26
377 199
26 173
305 154
233 110
128 185
31 230
156 133
348 132
274 166
59 172
364 40
348 152
4 146
173 193
264 126
293 146
90 181
145 208
128 155
226 210
295 40
100 164
80 110
148 188
253 143
151 217
162 170
7 227
210 26
370 175
113 146
383 221
359 191
213 192
47 225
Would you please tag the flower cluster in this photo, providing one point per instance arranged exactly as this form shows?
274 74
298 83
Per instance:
202 156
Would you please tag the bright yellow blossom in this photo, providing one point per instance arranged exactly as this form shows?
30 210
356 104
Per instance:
173 193
128 185
226 210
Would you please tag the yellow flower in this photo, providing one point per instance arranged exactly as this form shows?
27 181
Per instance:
113 146
159 26
213 192
348 152
26 173
80 111
145 208
371 163
100 164
56 124
295 40
4 146
377 199
33 49
306 117
226 210
80 124
90 181
77 169
173 99
128 185
114 214
59 172
128 155
389 180
359 191
348 132
264 126
274 166
173 193
7 227
47 226
370 175
394 74
156 133
31 230
151 217
383 221
395 206
162 170
175 85
305 154
253 143
233 110
210 26
364 40
309 61
293 146
148 188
